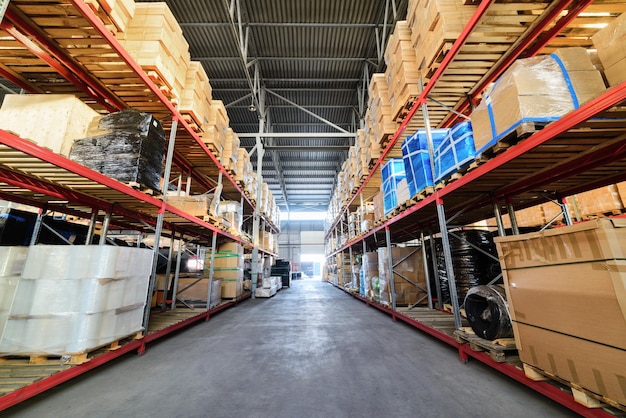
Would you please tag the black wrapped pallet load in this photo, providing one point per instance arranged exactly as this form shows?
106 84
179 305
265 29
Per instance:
487 312
128 146
471 266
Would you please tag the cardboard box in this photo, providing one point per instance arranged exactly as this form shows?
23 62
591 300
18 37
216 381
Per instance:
595 367
610 42
616 74
53 121
199 205
231 288
566 290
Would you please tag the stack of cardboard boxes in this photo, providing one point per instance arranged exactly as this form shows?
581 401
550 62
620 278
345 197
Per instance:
228 267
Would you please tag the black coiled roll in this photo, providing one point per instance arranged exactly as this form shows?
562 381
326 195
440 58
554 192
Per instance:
488 312
471 266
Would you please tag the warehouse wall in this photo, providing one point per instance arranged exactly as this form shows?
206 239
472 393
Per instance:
290 244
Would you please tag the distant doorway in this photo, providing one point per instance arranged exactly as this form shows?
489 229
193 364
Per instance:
311 266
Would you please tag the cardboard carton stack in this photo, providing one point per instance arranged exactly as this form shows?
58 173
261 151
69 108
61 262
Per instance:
535 90
231 151
402 74
228 267
435 25
610 43
155 40
196 97
565 289
244 171
61 119
379 105
216 128
408 263
115 14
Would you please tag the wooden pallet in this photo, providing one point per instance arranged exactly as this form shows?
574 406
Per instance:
403 110
581 395
143 189
71 358
499 350
521 132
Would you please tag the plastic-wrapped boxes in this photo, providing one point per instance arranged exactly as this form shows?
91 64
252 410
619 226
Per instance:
455 152
610 43
417 159
566 290
70 299
392 174
12 261
128 146
535 90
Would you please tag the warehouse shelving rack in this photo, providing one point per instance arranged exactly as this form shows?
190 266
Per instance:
585 149
62 47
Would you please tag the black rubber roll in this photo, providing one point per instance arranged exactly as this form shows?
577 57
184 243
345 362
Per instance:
471 266
488 312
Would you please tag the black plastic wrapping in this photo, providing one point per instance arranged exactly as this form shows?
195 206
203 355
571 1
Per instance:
471 266
129 148
488 312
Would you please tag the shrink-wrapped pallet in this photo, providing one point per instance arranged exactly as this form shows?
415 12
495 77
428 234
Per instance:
71 299
52 121
230 211
610 42
416 158
12 261
392 173
455 152
127 146
535 91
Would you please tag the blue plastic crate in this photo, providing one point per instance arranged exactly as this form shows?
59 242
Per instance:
392 173
455 152
417 160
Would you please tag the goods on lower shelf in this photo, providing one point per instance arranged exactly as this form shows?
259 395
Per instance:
53 121
487 312
228 267
267 287
12 261
535 90
455 152
192 290
127 146
471 266
369 276
392 173
610 42
409 277
566 289
70 299
197 205
416 158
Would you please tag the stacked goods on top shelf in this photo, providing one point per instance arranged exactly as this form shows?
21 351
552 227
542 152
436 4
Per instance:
231 151
392 173
565 288
610 43
435 25
155 40
215 129
71 299
115 14
402 73
196 96
127 146
533 92
416 158
53 121
379 107
455 152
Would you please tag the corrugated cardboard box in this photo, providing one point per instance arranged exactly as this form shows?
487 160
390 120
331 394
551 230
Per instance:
566 289
610 43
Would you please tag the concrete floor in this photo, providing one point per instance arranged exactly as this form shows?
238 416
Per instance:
310 351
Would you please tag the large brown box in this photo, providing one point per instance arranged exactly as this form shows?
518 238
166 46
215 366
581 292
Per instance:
199 205
409 277
610 42
566 290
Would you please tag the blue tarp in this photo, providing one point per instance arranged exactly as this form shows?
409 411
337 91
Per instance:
455 152
416 158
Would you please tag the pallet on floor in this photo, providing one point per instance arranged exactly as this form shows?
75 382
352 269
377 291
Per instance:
500 350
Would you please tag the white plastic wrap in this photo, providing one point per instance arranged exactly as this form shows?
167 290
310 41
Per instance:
12 261
70 299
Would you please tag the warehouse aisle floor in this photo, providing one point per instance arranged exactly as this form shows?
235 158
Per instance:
310 351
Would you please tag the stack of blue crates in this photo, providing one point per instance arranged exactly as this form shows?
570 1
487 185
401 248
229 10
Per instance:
392 173
417 160
455 152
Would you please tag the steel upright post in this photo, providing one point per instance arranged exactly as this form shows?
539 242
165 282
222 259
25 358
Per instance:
105 228
426 271
392 287
512 217
92 227
498 214
177 271
448 259
168 270
211 269
433 256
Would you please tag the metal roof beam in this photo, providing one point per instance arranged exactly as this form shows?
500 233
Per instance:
344 134
291 80
298 148
280 25
307 59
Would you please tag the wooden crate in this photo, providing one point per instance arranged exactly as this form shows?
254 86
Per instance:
196 96
115 14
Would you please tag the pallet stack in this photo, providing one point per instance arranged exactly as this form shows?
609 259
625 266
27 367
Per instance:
155 40
379 106
115 14
435 25
216 128
231 151
196 98
402 73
